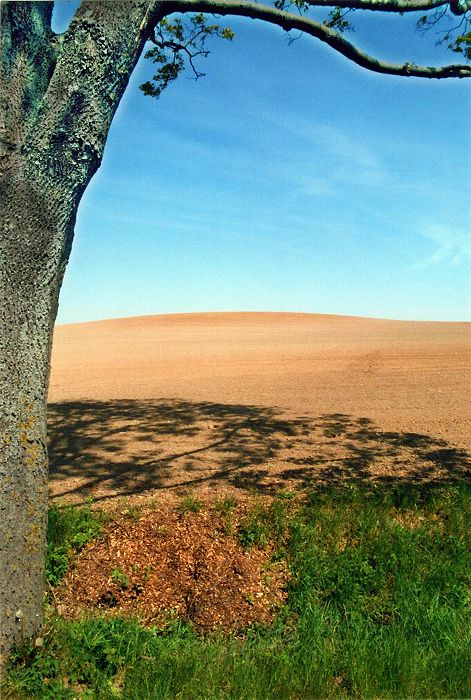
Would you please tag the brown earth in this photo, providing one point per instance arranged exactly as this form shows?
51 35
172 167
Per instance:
167 564
230 406
230 402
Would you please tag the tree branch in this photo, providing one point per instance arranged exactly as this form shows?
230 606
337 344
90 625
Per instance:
289 21
401 6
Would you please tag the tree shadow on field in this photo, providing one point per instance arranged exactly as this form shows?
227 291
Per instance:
100 449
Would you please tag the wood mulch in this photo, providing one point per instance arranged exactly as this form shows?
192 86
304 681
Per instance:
162 564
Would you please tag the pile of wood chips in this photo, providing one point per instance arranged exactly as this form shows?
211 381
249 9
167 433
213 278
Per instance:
164 564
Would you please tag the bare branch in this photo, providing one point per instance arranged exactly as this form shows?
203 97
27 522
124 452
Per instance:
401 6
289 21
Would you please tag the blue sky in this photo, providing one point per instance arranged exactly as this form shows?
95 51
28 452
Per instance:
287 179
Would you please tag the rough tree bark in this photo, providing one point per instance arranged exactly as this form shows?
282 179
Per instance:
58 97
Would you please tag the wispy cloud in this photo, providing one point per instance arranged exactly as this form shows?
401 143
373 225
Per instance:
339 144
328 137
452 246
334 158
315 187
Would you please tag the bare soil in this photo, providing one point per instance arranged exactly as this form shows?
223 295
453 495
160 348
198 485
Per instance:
219 405
211 403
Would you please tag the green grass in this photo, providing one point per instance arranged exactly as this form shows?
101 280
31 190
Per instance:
264 525
190 504
68 530
379 606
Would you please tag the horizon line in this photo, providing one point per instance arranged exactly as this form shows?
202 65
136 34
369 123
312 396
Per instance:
254 313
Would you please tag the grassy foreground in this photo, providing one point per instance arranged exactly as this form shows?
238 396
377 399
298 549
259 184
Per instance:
379 605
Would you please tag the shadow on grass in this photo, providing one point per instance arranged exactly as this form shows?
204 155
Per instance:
101 448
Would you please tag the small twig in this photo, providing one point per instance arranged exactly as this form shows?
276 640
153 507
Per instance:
56 602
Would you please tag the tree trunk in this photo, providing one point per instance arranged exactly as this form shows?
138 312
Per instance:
31 270
23 467
58 96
